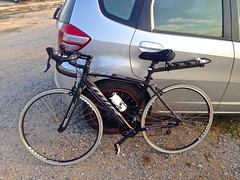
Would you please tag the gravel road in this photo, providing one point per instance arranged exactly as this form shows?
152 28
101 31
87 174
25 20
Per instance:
6 2
23 60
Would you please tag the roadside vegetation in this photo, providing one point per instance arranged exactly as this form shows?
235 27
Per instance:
227 124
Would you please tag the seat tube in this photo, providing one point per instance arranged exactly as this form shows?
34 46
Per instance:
148 78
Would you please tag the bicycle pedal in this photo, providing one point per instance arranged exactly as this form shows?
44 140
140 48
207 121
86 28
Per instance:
117 148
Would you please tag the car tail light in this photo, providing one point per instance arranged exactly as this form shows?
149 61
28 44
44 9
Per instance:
72 37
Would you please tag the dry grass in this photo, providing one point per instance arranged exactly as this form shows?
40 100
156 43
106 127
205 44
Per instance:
227 124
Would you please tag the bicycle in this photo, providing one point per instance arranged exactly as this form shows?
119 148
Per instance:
63 127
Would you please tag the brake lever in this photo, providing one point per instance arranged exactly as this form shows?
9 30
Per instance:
50 53
48 63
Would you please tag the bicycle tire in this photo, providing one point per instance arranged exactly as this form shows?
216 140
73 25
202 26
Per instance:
193 107
40 119
129 93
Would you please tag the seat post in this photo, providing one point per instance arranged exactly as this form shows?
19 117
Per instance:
151 70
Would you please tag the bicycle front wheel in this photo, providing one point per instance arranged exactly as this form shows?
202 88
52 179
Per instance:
169 134
39 122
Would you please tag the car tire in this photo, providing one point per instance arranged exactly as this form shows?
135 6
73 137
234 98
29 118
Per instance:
17 1
128 92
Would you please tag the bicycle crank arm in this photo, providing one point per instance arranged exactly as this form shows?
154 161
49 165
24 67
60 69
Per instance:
117 144
117 149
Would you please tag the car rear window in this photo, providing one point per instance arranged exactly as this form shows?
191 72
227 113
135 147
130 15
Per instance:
66 11
122 11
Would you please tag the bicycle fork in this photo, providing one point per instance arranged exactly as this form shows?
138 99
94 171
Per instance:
76 92
62 127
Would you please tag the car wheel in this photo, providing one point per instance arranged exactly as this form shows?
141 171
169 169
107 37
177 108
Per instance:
16 1
129 93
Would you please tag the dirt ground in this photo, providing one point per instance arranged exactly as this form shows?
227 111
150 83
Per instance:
25 30
15 17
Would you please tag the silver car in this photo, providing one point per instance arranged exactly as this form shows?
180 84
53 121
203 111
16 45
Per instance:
115 32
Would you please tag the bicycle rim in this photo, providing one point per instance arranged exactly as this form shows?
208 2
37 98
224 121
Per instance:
194 110
40 119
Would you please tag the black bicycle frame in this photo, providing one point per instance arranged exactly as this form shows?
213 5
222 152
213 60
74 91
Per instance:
91 86
86 81
94 90
109 107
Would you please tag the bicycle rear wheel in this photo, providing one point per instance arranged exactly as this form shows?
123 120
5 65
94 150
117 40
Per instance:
193 108
40 119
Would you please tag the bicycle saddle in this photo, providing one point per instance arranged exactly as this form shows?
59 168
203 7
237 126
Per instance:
161 56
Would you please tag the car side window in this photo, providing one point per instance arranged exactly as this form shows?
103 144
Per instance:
119 8
200 17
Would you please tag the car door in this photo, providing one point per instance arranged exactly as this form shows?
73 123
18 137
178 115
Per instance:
231 99
192 28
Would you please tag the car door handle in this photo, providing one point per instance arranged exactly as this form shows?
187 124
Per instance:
146 46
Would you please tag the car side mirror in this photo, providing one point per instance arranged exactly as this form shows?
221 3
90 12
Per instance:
57 11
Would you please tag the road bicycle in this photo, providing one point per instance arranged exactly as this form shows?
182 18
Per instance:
63 126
